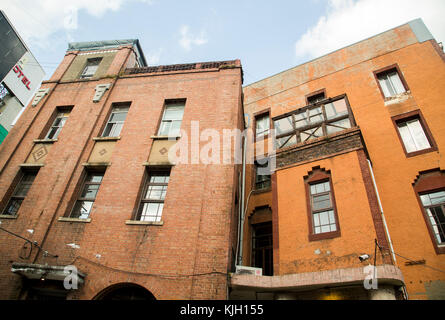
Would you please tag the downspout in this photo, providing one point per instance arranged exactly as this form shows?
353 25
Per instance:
243 191
391 248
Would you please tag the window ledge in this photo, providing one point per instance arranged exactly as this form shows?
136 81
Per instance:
144 223
7 216
265 190
96 164
45 140
32 165
165 137
106 138
65 219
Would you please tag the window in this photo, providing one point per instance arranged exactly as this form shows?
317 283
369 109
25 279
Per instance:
153 196
390 82
172 118
262 176
20 192
414 133
116 122
90 68
313 122
434 205
262 247
322 209
90 188
57 125
262 125
322 212
316 97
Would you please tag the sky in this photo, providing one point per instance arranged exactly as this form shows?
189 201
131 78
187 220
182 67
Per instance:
267 36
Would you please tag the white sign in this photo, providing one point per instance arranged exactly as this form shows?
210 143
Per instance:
25 78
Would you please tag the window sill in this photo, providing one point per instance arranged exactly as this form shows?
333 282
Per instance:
7 216
420 152
64 219
324 236
165 137
144 223
265 190
45 140
107 138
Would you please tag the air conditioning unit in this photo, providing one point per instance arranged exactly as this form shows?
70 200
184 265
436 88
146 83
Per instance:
249 270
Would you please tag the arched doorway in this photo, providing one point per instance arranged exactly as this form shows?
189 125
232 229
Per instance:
125 291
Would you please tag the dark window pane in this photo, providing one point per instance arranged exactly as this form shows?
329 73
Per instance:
13 207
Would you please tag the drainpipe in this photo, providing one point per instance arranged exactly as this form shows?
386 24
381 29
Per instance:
391 248
243 191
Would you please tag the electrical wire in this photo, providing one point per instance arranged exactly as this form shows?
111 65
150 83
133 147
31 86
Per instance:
33 243
424 265
151 274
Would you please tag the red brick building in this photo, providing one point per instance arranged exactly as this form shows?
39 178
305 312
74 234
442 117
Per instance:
85 174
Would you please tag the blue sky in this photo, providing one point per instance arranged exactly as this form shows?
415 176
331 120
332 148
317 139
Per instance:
267 36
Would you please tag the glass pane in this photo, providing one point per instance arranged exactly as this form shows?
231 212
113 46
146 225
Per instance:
317 230
262 125
90 191
336 109
173 113
407 139
159 178
396 82
321 202
425 200
24 185
95 177
116 129
53 133
333 227
283 125
338 126
316 220
13 207
418 135
437 197
119 116
286 142
324 218
325 229
316 115
175 128
164 128
311 134
301 120
82 209
384 86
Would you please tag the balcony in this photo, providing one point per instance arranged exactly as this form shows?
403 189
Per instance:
322 119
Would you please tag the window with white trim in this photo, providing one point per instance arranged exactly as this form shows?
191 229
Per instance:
434 205
391 83
172 119
115 122
90 68
413 135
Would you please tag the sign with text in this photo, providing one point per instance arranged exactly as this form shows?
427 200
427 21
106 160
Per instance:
25 78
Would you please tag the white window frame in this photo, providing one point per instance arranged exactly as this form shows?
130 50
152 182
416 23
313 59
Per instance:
162 125
116 125
91 67
63 116
413 135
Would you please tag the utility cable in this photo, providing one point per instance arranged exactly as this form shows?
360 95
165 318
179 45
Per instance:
33 243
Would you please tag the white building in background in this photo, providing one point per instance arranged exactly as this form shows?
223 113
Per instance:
20 76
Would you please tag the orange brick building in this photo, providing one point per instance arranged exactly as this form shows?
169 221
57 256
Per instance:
85 174
358 136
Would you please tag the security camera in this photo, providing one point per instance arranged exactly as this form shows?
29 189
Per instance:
364 257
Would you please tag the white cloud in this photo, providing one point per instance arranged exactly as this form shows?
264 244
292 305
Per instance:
349 21
36 21
188 40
